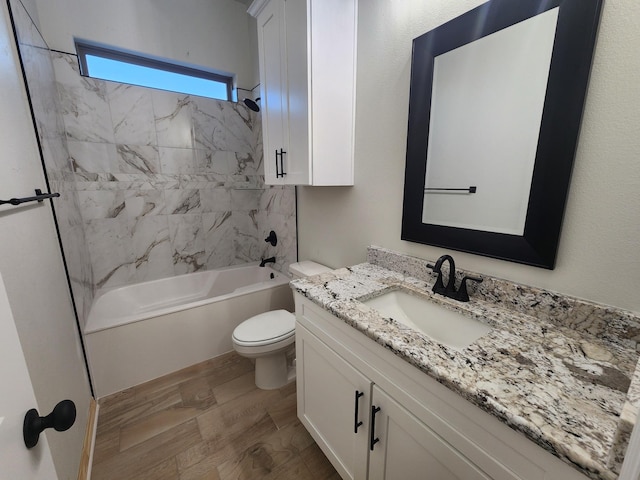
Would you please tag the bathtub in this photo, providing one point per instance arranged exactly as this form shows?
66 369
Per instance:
139 332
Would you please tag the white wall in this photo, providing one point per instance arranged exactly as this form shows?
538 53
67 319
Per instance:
210 33
31 7
599 253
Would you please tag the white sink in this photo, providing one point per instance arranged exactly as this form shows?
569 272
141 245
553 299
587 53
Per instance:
443 325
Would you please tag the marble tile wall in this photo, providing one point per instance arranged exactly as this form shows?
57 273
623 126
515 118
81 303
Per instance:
42 87
152 183
168 183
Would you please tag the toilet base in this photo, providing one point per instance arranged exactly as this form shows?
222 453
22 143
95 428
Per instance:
272 371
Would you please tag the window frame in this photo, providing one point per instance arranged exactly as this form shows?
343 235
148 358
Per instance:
84 48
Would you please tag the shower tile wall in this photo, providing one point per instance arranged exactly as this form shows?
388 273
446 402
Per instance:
168 183
50 129
152 183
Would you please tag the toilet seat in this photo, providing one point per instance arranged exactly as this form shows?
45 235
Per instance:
267 328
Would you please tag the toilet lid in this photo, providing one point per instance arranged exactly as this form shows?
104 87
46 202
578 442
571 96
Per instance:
266 328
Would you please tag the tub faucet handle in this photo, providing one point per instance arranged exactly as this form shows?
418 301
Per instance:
272 238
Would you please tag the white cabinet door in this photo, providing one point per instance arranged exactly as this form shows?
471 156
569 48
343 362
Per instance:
333 398
271 42
284 90
404 448
297 159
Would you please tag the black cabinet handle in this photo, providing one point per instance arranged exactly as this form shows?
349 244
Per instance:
356 423
280 172
373 439
282 153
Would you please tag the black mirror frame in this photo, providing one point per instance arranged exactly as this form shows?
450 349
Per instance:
564 103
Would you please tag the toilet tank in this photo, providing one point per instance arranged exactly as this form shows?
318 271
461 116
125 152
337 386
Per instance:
306 269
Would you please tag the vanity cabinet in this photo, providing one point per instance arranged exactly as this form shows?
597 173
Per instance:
377 417
362 428
307 88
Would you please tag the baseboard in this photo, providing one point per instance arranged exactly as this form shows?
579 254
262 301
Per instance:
84 471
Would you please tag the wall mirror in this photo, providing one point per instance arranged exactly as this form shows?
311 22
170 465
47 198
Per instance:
494 114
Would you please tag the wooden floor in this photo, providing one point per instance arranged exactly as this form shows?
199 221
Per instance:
208 421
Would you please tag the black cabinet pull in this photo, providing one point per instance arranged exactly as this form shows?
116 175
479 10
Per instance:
356 423
373 439
281 172
282 154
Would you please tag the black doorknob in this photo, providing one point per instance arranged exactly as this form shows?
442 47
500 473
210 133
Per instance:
61 419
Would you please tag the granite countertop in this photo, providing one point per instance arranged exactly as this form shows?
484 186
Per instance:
572 392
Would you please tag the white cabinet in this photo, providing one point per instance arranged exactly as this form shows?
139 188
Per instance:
333 404
307 62
405 448
411 426
361 428
273 81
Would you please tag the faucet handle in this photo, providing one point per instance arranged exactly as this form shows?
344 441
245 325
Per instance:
438 286
462 294
272 238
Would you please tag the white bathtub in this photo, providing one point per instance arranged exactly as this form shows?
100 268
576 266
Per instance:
140 332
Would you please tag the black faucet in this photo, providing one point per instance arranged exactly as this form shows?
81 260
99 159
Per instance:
450 290
439 287
264 261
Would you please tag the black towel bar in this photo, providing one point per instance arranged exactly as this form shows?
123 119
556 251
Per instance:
38 198
471 189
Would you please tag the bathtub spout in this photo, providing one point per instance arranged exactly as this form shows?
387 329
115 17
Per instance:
264 261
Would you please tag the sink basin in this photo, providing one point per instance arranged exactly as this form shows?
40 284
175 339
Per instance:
443 325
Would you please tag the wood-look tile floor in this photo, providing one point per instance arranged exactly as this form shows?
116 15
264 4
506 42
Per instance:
208 421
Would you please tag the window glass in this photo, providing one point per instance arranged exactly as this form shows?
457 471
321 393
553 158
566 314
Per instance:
105 64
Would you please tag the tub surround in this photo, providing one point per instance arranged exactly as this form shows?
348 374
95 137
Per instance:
140 332
167 183
152 183
558 369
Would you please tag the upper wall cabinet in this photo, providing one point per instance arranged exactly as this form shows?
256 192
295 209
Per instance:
307 51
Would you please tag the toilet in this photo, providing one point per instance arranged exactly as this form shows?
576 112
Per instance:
268 337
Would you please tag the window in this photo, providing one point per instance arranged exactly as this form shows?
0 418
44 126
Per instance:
118 66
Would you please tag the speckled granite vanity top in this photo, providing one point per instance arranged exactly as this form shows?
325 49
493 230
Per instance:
558 369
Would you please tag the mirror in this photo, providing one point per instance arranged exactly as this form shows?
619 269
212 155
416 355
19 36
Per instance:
494 114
